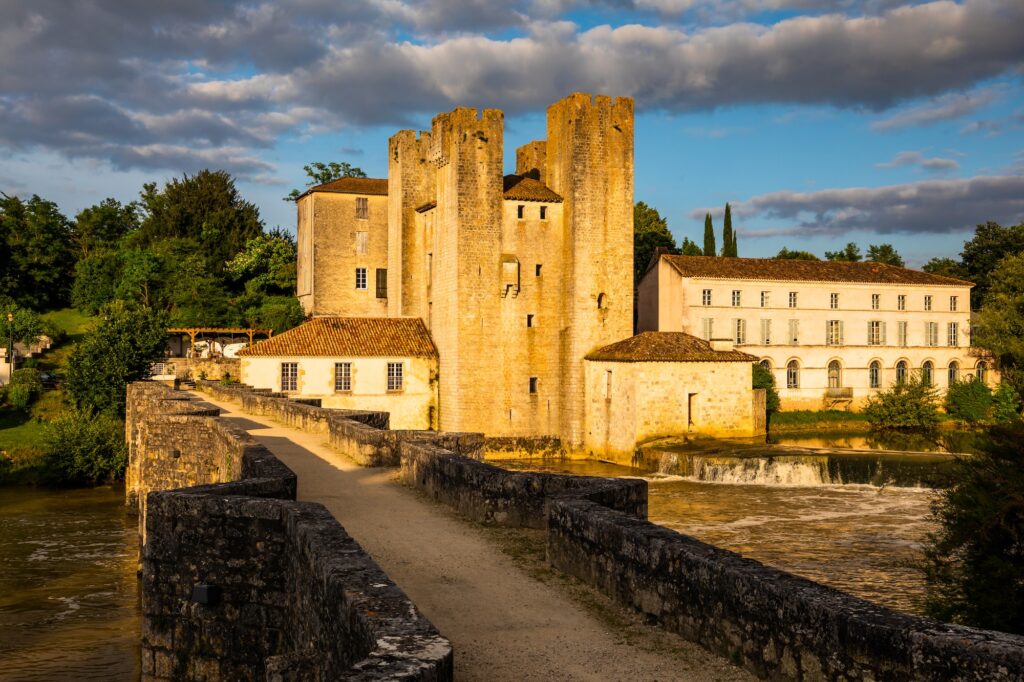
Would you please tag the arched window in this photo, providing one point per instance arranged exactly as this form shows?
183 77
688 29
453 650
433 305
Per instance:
981 371
875 374
901 372
793 374
835 374
953 373
928 373
602 301
767 364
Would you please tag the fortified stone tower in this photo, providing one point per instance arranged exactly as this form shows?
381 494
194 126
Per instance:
411 181
466 151
589 162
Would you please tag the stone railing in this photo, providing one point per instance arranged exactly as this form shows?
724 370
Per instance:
239 581
772 623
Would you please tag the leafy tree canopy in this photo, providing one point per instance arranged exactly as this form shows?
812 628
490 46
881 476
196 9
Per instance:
974 566
266 264
24 327
980 256
319 173
650 231
709 236
129 338
689 248
851 253
946 267
205 208
785 253
999 325
36 258
885 253
102 226
762 377
907 405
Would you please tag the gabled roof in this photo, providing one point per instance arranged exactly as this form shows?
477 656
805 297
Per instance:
523 188
349 337
364 186
791 270
666 347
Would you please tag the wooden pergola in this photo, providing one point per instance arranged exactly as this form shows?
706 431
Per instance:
193 331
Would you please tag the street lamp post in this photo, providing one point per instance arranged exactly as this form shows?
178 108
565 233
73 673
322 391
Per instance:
10 341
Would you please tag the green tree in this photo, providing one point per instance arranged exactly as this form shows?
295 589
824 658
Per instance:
999 325
320 173
709 237
84 449
763 378
650 231
974 562
786 254
205 208
980 256
102 226
727 236
121 349
266 264
969 401
97 276
1005 404
36 258
907 405
885 253
689 248
945 267
279 313
850 253
25 326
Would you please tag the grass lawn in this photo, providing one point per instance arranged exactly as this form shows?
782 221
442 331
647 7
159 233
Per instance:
75 324
19 431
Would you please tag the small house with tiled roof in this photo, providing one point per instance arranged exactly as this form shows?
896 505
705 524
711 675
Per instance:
659 384
387 364
833 333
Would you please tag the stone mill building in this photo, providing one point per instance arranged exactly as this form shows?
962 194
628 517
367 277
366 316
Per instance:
517 277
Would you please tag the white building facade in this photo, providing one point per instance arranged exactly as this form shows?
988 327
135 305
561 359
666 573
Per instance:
833 333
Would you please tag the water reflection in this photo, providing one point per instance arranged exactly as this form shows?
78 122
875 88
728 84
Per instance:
68 589
858 538
936 441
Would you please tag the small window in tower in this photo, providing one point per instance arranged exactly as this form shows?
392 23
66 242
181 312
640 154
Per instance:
362 208
529 320
602 301
520 209
538 269
543 212
533 385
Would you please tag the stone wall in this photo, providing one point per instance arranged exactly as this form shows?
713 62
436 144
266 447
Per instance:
239 581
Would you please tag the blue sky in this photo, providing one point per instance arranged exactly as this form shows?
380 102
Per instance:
822 121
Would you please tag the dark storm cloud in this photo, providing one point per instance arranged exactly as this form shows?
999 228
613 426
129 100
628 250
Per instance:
108 78
927 207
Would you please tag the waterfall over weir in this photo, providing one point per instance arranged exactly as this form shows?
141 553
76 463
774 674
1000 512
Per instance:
809 468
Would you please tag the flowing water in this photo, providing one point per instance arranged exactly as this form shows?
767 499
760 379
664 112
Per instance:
853 523
68 588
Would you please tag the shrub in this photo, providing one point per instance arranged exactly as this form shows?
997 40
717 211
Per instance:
974 562
763 378
1005 404
969 401
24 388
909 405
84 449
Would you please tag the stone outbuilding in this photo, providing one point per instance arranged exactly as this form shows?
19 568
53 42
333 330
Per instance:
362 363
659 384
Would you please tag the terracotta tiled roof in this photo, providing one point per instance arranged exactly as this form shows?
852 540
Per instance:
791 270
364 186
527 189
349 337
666 347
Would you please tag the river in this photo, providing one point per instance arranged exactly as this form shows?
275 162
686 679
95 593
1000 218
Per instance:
68 587
855 523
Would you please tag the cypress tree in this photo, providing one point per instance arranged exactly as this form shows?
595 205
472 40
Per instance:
709 237
735 248
728 238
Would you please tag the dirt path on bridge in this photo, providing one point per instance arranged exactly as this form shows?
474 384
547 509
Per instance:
487 590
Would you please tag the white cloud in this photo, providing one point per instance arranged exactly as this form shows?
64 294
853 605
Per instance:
934 163
943 108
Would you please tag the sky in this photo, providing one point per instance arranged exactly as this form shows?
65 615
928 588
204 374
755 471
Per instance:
821 121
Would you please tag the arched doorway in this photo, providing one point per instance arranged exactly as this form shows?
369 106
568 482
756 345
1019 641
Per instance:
835 374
